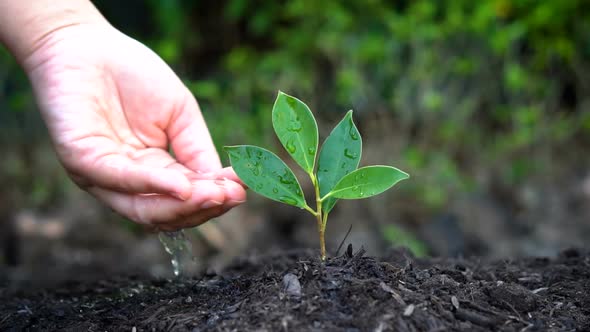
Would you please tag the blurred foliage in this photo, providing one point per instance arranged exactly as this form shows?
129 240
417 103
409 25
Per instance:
479 91
398 237
21 131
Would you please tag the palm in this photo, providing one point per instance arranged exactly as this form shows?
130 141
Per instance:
113 108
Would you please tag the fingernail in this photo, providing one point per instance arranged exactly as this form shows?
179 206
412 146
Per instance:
233 202
178 196
210 204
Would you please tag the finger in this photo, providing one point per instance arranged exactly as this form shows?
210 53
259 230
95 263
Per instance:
194 220
234 192
230 174
160 209
155 208
190 138
119 173
158 158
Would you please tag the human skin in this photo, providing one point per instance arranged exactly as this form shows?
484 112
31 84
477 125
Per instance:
113 108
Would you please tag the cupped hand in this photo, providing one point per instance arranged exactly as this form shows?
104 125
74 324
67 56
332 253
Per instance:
114 109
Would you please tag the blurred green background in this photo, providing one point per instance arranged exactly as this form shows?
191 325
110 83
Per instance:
485 103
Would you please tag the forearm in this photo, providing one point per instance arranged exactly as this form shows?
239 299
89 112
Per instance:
24 25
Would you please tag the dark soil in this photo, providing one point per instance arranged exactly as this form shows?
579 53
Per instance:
294 291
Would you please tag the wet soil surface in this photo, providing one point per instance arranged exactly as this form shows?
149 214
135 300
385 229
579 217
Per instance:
294 291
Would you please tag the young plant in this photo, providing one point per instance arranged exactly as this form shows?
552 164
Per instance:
336 175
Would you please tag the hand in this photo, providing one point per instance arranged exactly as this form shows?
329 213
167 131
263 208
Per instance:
113 109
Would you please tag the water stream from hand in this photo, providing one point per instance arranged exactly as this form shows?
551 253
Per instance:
180 249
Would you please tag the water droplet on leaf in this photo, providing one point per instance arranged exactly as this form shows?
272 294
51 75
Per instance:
275 190
291 101
294 126
288 200
350 154
311 151
353 134
234 154
285 178
290 146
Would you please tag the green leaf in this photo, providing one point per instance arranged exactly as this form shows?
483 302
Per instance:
340 155
297 130
367 181
266 174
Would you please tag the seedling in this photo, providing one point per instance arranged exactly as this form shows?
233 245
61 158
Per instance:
336 176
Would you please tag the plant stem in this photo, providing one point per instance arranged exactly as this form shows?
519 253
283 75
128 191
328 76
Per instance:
324 220
322 243
310 210
318 215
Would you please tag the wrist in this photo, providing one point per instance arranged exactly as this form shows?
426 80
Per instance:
27 26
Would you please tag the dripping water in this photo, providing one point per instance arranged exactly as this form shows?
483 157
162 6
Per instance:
180 249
